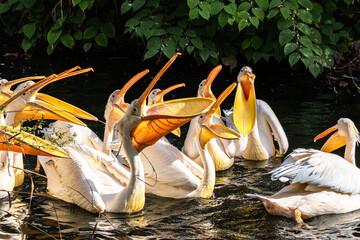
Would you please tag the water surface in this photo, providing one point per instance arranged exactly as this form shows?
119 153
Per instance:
304 107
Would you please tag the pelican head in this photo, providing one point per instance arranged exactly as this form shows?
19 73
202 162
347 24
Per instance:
346 131
211 130
245 101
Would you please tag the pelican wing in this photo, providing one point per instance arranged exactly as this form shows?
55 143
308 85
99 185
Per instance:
265 110
320 169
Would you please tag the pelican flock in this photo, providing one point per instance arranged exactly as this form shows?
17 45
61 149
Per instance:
134 158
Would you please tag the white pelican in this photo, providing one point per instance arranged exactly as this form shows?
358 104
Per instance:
221 150
15 142
256 120
321 182
259 143
90 184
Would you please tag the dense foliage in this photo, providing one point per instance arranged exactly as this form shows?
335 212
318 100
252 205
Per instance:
218 31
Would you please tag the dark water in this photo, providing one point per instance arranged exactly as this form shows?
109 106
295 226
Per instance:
304 108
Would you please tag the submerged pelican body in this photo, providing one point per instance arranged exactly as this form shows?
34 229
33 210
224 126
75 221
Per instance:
321 182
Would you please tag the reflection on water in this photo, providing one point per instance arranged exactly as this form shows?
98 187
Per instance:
303 110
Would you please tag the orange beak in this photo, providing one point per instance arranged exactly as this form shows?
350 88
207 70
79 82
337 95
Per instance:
334 142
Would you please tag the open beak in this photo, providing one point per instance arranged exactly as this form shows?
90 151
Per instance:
6 92
207 87
37 109
118 105
162 118
211 130
334 142
245 103
16 140
160 98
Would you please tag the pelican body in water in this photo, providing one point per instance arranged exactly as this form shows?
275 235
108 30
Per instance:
320 182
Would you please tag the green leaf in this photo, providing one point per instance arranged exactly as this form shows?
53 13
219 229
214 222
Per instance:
334 38
243 15
344 33
306 52
343 48
256 56
306 4
216 7
101 40
67 40
244 6
294 58
315 69
137 4
184 42
305 41
223 19
175 30
259 13
316 12
290 47
132 22
254 21
108 29
204 54
285 11
4 8
29 30
317 49
256 42
205 14
154 43
158 32
263 4
245 44
150 53
283 24
304 28
197 43
292 4
193 13
305 16
242 24
190 48
230 9
125 7
78 35
29 3
76 2
50 49
78 17
192 3
337 25
286 36
53 36
26 44
275 3
272 13
89 33
190 33
87 46
83 5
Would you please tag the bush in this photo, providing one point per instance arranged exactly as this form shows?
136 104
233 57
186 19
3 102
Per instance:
300 31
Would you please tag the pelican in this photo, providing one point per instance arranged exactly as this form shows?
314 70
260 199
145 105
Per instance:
321 182
255 119
221 150
259 143
87 182
13 141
